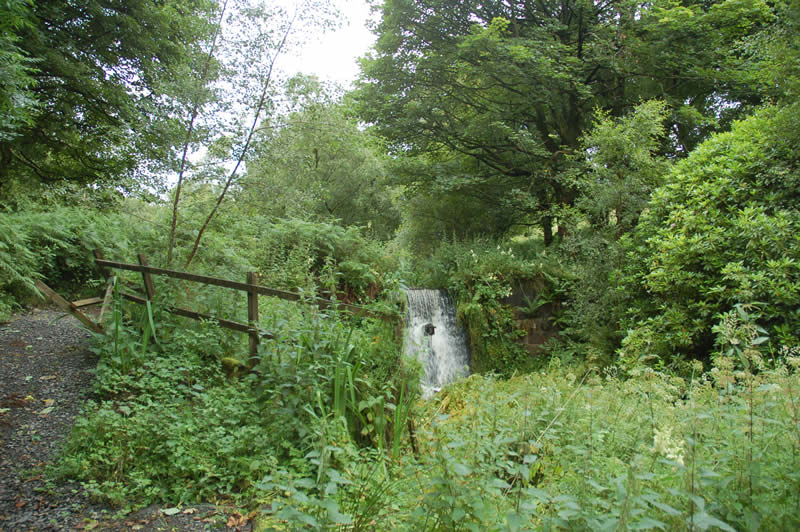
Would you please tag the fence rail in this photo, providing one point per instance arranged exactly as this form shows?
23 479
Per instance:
235 285
251 287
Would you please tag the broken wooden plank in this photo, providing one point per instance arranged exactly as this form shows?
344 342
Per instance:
106 299
87 302
65 305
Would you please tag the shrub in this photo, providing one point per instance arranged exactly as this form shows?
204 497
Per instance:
485 277
56 246
722 232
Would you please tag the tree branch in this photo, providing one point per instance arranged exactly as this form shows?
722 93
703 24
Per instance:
189 131
258 110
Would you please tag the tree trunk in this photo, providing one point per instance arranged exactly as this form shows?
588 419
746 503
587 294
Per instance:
547 229
189 130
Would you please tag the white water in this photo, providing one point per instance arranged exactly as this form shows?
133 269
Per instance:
444 354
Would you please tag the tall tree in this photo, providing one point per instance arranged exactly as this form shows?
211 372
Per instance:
200 97
497 92
317 163
104 78
258 36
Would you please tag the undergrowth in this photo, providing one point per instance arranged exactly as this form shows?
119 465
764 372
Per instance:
181 414
324 433
561 450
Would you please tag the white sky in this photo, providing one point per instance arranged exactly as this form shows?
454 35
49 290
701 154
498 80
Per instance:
332 56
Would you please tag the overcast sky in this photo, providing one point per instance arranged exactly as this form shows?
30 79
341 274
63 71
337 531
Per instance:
332 56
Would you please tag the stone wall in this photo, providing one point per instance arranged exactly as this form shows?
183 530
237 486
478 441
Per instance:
538 324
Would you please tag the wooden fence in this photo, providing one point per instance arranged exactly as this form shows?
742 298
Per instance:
251 286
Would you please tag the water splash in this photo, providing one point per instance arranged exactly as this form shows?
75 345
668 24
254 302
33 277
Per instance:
435 338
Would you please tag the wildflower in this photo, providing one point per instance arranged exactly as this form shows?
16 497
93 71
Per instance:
665 445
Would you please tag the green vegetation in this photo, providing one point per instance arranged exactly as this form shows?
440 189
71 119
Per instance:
609 192
721 232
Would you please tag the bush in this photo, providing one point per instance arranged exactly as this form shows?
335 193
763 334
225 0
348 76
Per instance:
485 277
557 451
314 255
722 232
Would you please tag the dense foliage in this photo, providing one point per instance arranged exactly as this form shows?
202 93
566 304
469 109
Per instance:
317 164
608 190
721 232
99 102
485 99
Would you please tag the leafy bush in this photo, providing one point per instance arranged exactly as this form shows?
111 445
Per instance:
722 232
620 166
18 263
297 254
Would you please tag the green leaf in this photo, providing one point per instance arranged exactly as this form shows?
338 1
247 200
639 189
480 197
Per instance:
648 523
334 515
704 521
499 483
514 521
461 469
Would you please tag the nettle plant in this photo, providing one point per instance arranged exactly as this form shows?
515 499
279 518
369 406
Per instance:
557 450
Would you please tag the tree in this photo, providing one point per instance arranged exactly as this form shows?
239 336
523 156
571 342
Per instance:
623 167
259 34
199 98
103 75
620 168
497 93
317 163
17 103
719 236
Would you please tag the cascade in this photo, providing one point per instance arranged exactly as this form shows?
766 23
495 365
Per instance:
434 337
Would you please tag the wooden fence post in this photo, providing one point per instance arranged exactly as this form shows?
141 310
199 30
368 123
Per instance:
105 272
149 287
252 317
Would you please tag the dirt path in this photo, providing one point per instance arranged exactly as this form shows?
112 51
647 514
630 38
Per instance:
44 375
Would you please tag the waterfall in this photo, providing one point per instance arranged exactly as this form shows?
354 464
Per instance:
434 337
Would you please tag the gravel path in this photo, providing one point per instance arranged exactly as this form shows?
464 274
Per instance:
45 373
